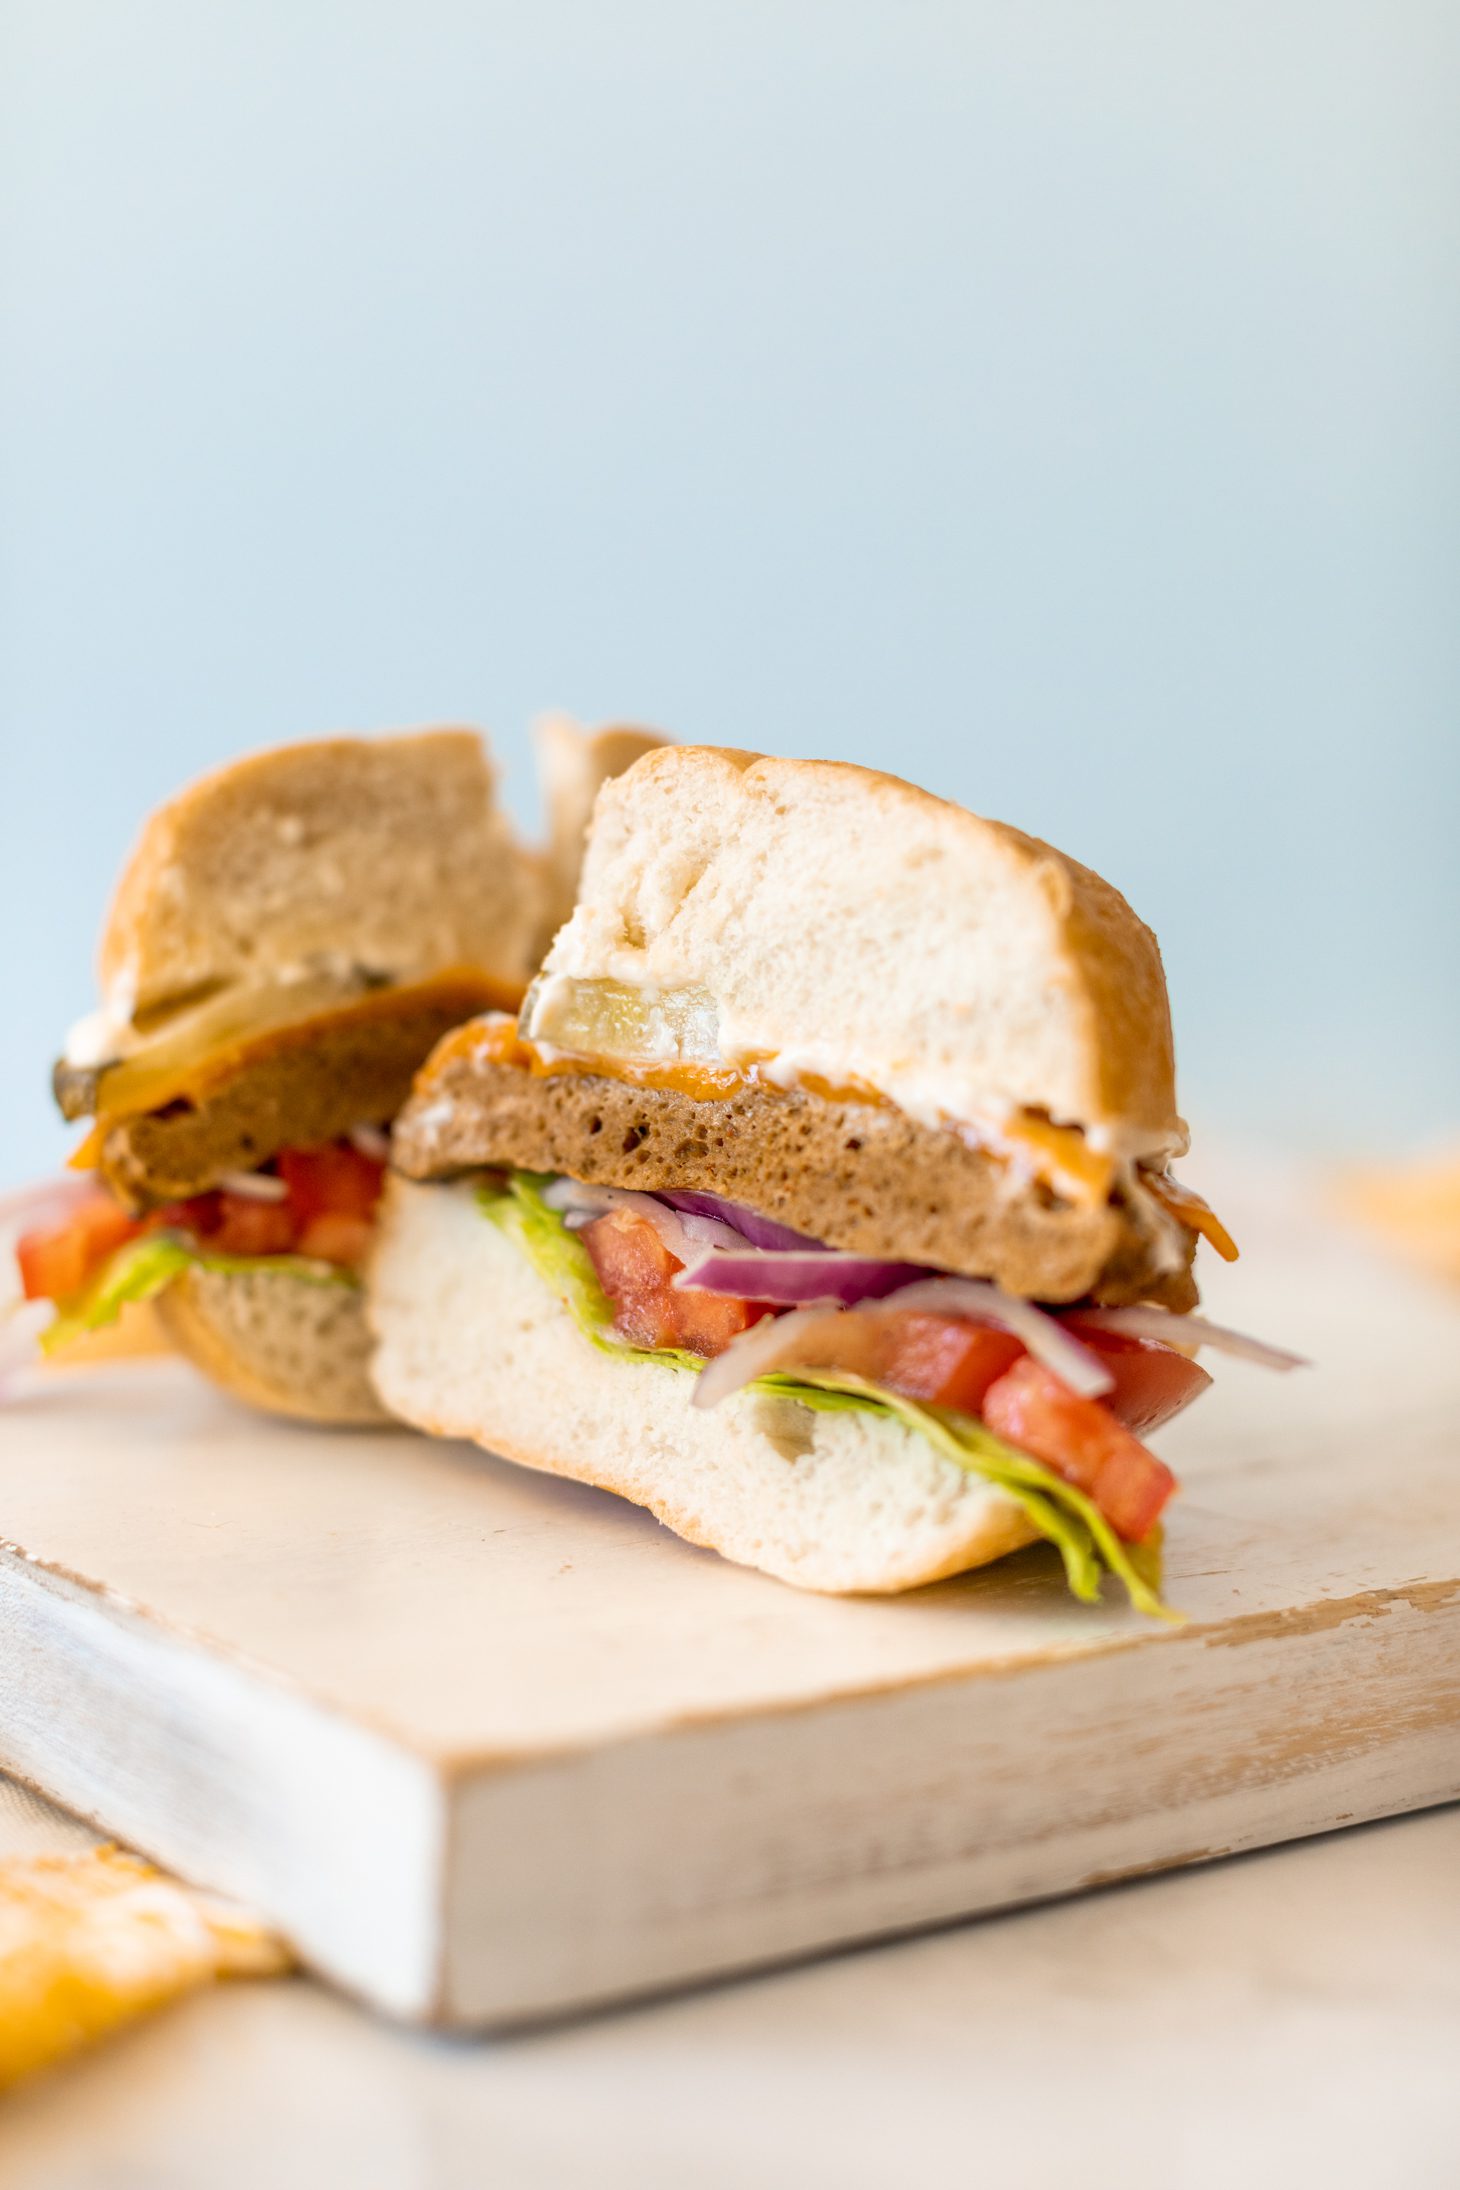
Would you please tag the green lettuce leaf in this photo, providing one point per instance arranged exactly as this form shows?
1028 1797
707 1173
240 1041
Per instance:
145 1266
1073 1523
559 1257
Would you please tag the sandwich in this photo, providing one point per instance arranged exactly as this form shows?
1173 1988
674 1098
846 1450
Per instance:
290 939
819 1198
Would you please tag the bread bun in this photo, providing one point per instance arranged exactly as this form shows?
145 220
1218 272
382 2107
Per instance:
850 926
279 1341
573 764
388 853
472 1343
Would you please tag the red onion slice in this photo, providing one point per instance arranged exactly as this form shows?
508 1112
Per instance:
685 1237
45 1201
1042 1334
748 1223
762 1348
1189 1332
253 1185
795 1277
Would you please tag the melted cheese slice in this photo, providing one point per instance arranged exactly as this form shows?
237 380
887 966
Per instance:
186 1059
1189 1209
1058 1154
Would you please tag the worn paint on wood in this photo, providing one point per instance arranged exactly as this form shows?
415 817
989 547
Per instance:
487 1745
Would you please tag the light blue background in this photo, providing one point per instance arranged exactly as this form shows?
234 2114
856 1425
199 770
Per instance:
1054 403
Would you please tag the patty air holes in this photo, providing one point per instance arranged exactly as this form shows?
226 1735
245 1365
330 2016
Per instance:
635 1135
595 1125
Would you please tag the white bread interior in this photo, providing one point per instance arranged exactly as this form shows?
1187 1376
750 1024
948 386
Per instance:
573 764
388 853
472 1343
852 926
278 1341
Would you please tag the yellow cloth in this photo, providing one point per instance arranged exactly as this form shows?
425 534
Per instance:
1415 1206
91 1939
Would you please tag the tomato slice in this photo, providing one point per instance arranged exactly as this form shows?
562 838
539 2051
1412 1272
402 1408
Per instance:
1152 1382
1082 1441
335 1236
326 1212
635 1269
945 1361
57 1261
707 1322
238 1224
336 1178
942 1360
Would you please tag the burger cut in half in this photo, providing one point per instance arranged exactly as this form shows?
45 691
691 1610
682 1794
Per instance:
820 1199
292 936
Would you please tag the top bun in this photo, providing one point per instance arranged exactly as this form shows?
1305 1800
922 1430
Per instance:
852 927
573 764
386 853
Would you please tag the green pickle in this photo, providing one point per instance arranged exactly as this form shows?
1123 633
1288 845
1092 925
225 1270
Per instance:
613 1019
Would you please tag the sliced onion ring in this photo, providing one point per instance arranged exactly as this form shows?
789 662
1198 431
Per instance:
754 1353
686 1237
370 1140
253 1185
794 1277
1041 1334
748 1223
1189 1332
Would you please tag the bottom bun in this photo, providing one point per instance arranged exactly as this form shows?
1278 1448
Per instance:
472 1343
283 1343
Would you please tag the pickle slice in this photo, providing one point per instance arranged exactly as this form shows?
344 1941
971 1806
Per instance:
185 1041
614 1019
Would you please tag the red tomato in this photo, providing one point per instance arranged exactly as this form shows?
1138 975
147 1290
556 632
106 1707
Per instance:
239 1224
335 1237
56 1263
634 1268
1082 1441
181 1216
335 1178
945 1361
1152 1382
942 1360
707 1322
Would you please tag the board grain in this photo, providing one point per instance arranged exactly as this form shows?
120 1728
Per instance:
488 1746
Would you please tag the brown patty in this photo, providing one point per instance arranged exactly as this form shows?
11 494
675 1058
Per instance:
860 1176
312 1084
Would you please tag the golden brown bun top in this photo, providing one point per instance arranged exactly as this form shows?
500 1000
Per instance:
859 928
387 853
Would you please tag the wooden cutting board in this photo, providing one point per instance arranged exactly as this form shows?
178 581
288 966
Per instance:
486 1746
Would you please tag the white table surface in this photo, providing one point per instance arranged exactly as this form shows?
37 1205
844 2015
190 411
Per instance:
1290 2018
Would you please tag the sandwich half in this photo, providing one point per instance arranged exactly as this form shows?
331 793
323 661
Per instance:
819 1198
292 936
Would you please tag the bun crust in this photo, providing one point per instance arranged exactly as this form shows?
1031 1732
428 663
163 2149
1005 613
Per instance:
276 1341
573 765
387 853
472 1343
861 928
